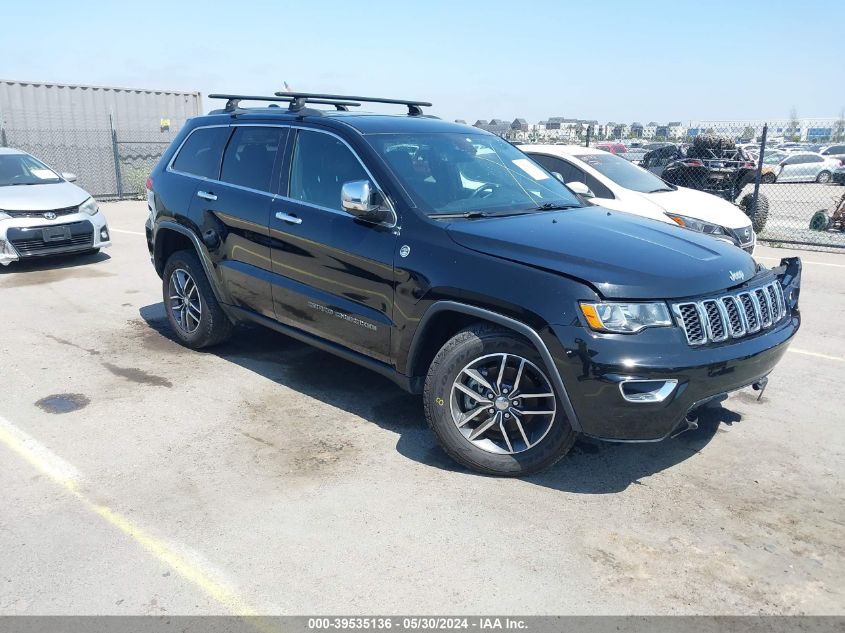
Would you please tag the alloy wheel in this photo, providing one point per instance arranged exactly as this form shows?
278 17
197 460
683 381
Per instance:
185 304
503 403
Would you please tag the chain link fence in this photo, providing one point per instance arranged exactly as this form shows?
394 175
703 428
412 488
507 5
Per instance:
787 177
789 180
110 164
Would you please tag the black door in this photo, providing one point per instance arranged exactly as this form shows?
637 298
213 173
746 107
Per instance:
333 273
236 207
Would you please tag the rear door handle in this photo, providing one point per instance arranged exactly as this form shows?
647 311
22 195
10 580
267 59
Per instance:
286 217
206 195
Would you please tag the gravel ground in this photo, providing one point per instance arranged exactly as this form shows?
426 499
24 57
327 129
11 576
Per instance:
140 477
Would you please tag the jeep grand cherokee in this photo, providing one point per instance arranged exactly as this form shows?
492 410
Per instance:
444 258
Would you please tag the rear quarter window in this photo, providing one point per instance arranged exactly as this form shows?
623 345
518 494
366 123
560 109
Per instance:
201 153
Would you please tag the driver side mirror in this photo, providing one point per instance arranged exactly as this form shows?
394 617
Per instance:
360 199
581 189
69 176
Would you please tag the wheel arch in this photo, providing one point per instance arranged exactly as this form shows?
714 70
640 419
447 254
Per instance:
445 318
171 237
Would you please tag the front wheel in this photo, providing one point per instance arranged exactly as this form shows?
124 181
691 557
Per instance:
192 309
490 403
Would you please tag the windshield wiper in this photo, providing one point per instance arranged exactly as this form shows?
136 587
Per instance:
465 214
660 189
551 206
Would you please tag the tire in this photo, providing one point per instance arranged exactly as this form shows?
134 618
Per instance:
768 179
820 221
758 223
479 347
194 328
824 177
714 142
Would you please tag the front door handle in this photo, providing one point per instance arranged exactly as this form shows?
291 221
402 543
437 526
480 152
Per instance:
286 217
206 195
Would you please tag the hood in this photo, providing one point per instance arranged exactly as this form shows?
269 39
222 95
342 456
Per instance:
622 255
699 205
58 195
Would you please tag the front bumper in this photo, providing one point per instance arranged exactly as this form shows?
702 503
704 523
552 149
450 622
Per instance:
839 177
594 366
23 238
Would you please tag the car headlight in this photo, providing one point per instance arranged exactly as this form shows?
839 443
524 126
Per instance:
697 225
89 206
625 318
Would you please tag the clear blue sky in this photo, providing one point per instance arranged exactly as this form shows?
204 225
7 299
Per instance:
612 60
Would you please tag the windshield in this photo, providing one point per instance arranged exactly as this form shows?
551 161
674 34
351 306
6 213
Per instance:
624 173
23 169
458 173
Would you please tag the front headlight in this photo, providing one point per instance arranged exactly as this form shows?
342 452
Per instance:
89 206
694 224
625 318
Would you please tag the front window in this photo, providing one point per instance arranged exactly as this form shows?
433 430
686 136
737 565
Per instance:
449 173
624 173
23 169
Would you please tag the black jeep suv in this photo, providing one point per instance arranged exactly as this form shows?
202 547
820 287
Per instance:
441 256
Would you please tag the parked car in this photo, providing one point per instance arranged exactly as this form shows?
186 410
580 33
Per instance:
613 148
715 165
43 213
635 154
834 151
806 167
839 175
614 183
444 258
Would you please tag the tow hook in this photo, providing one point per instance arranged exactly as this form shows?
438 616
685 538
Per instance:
691 419
760 386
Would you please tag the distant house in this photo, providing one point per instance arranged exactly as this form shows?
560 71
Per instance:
461 121
519 124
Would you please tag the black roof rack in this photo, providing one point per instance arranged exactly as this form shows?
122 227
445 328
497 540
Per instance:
232 101
301 98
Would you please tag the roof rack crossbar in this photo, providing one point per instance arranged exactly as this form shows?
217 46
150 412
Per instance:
300 98
232 101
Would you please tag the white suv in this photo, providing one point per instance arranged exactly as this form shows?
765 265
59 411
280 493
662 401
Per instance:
616 183
43 213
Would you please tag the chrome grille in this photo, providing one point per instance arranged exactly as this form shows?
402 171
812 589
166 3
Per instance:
40 214
731 316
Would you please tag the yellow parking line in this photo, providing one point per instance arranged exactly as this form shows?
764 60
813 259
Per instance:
816 354
65 475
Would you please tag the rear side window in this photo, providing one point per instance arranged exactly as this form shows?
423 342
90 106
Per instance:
250 156
200 155
321 164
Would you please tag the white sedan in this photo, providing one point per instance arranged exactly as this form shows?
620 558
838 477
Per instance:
615 183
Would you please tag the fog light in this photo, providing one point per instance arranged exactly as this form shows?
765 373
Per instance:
104 234
647 390
8 253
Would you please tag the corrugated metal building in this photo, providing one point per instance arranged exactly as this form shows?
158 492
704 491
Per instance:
110 137
34 105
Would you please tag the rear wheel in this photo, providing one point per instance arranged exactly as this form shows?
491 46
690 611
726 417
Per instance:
746 203
192 309
490 403
824 177
820 221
